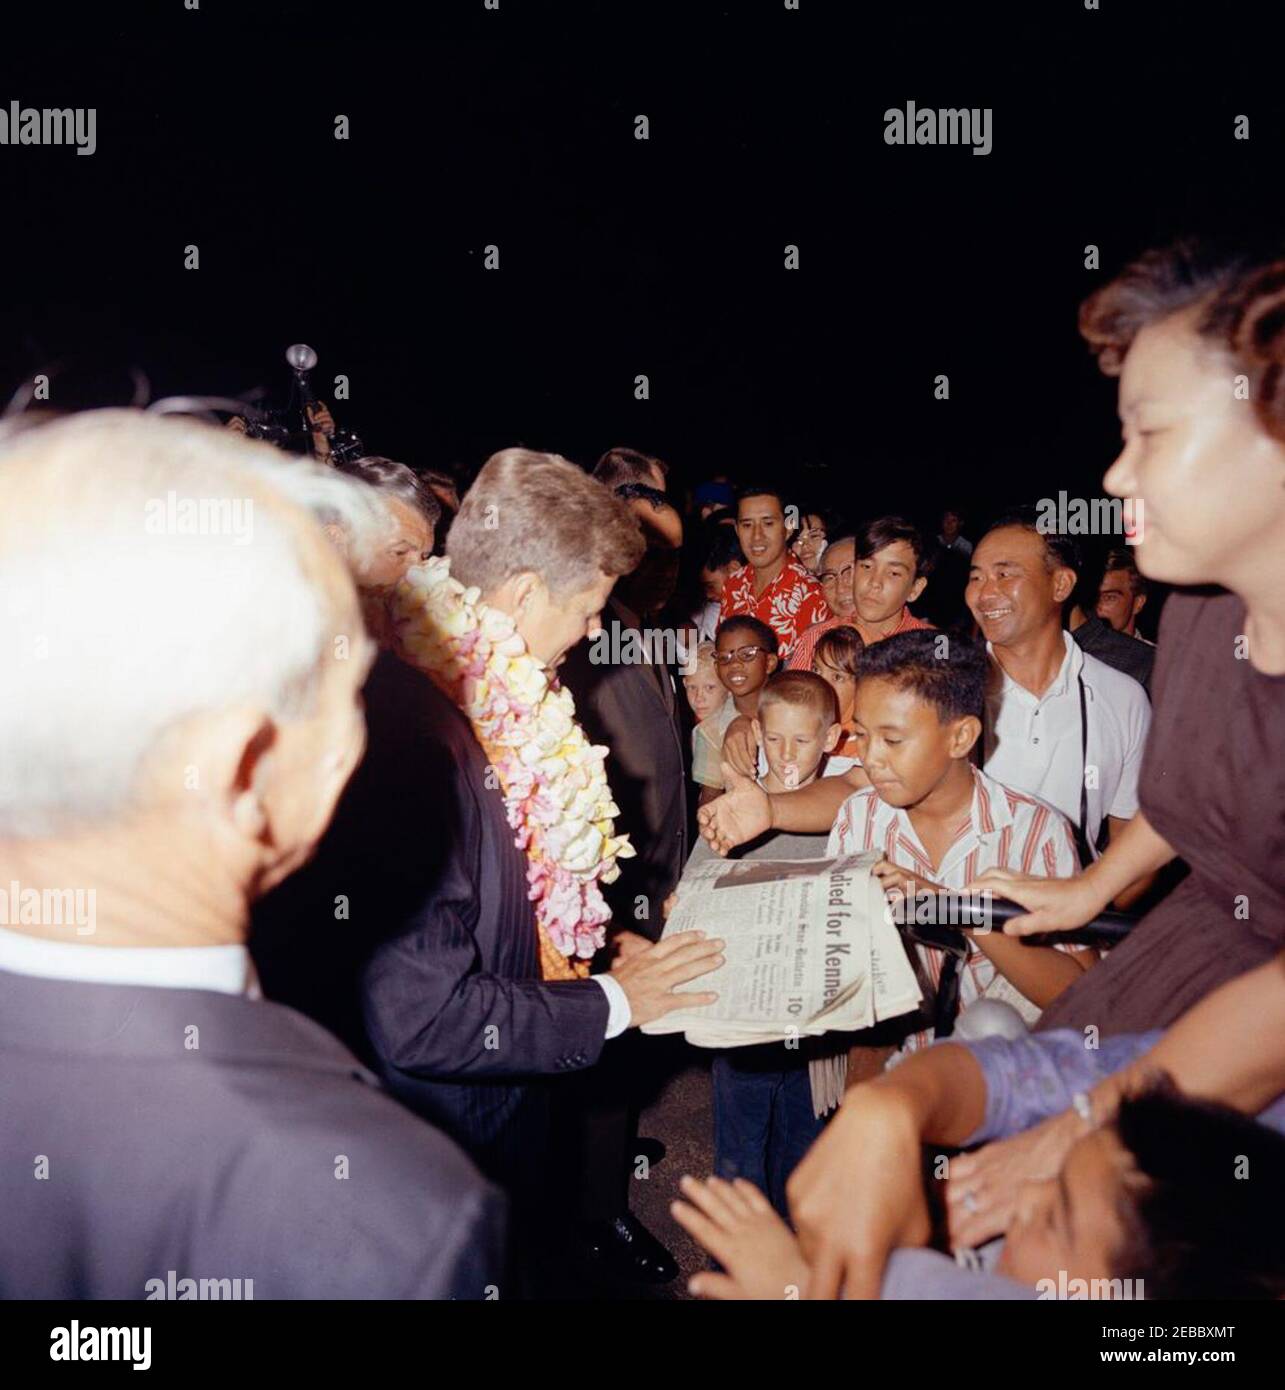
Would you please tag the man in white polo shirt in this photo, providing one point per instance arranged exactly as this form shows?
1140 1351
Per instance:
1060 725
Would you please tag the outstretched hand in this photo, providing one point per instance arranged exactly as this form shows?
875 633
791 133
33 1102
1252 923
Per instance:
743 812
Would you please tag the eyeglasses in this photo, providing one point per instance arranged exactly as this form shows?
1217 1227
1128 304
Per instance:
829 576
744 654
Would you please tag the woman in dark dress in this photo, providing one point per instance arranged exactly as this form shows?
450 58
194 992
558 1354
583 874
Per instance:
1199 345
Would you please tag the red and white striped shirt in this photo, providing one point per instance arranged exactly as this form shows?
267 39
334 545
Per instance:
1006 829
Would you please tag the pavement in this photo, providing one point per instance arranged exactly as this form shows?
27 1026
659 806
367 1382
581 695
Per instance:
679 1113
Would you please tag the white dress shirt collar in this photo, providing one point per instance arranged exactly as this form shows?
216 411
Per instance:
1072 665
223 969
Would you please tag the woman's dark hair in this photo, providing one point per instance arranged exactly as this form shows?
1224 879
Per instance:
395 479
841 647
947 672
722 547
887 530
620 466
762 634
1242 309
1204 1210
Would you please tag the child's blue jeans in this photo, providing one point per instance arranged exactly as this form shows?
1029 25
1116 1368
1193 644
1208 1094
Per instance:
763 1120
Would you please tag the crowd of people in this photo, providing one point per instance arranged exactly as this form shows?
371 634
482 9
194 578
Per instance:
379 801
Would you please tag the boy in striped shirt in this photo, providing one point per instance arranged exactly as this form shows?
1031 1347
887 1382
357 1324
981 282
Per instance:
939 821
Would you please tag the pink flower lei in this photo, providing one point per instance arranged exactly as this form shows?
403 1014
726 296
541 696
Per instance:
553 780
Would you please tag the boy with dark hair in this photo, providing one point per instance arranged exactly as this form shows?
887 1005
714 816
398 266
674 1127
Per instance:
893 564
773 587
720 558
746 653
939 820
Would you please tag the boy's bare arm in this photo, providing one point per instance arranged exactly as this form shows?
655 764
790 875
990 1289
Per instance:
745 810
1041 973
858 1195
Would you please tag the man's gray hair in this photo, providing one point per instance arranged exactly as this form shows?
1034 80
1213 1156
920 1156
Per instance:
149 570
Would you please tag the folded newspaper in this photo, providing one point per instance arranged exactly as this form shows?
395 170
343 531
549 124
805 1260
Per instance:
810 949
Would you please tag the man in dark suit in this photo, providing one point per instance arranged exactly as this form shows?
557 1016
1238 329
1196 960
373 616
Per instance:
434 893
165 1131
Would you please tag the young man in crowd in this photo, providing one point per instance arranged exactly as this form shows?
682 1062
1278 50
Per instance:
939 821
951 536
893 563
1060 724
1097 637
838 565
1122 595
722 560
773 587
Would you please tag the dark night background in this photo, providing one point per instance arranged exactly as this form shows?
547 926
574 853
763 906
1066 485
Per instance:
618 257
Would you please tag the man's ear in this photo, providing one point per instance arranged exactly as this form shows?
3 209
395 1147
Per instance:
833 735
1139 604
964 732
224 755
917 588
1064 581
516 594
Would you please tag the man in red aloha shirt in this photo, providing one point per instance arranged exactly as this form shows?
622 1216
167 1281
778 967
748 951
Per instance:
773 587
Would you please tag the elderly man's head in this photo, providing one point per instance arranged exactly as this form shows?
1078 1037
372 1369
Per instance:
183 650
544 543
413 514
